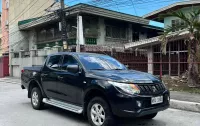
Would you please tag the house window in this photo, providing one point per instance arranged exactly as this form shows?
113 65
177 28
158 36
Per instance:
177 22
108 31
116 32
135 36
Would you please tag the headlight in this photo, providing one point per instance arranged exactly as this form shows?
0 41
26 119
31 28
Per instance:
127 88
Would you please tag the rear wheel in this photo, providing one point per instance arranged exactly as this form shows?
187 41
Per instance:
36 98
99 113
151 116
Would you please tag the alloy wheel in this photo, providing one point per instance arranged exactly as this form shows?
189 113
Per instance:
97 114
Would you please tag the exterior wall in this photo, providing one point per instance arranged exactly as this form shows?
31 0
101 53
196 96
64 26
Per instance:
21 10
19 40
167 20
0 37
4 28
35 58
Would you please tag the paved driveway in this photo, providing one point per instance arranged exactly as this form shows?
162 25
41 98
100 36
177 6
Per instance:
16 110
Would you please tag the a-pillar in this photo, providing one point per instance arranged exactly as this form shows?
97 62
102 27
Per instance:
150 60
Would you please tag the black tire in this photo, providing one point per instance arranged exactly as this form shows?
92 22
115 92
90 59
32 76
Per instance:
151 116
39 104
109 120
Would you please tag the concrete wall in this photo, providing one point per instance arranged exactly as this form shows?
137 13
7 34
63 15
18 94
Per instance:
17 64
167 20
4 27
0 37
18 39
21 10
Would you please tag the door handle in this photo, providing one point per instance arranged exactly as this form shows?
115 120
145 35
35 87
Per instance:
43 75
60 77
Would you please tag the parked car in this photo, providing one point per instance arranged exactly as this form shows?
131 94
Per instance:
95 85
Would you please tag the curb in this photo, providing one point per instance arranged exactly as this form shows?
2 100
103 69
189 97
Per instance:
185 105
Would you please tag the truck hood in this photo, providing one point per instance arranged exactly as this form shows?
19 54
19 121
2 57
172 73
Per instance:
124 76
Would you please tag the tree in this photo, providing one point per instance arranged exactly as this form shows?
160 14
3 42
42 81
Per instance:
190 28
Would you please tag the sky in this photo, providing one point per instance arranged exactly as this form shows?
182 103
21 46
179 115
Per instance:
0 5
133 7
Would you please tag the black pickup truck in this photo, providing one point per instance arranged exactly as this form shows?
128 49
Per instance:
95 85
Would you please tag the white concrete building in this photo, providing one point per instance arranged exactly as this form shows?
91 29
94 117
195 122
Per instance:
96 28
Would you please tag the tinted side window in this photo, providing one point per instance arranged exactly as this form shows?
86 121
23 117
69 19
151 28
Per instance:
68 60
54 61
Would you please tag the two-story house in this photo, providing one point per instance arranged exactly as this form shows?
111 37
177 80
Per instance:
97 29
175 61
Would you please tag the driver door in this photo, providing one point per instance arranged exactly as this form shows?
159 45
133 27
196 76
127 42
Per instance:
70 84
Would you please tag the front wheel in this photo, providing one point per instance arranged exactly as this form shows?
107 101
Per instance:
151 116
36 98
99 113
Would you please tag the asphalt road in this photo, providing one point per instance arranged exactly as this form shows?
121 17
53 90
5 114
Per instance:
16 110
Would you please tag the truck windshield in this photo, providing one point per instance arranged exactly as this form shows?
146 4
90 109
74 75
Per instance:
101 62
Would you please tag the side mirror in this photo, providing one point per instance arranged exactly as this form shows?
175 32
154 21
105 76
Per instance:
73 68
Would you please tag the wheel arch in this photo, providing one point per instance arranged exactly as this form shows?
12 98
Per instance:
89 95
34 83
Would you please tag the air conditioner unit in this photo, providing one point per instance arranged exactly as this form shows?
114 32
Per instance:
6 23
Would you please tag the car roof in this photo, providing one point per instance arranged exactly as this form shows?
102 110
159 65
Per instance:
77 53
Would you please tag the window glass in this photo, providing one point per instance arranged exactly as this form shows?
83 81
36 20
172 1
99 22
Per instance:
108 31
54 61
68 60
115 32
101 62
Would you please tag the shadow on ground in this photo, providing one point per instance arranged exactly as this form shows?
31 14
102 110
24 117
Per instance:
120 122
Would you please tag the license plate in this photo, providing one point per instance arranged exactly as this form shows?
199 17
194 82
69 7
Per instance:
156 100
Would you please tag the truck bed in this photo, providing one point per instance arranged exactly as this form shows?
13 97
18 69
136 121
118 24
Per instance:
35 68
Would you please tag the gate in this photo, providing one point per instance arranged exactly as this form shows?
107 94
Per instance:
4 66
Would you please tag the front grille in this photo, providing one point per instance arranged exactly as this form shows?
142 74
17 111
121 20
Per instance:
151 89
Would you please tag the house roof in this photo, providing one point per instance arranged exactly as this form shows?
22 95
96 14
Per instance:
155 14
83 9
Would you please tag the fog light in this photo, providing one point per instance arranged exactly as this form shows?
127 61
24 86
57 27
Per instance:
139 103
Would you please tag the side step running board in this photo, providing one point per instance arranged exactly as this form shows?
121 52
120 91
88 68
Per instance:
63 105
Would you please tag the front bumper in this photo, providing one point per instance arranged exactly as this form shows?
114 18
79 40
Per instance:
126 106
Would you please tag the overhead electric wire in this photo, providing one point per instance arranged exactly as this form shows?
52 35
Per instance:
122 5
18 31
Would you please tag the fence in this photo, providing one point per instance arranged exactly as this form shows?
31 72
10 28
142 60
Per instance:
173 64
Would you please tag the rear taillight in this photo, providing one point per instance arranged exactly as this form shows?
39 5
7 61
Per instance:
22 71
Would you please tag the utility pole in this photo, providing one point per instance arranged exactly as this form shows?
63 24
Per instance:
63 26
78 49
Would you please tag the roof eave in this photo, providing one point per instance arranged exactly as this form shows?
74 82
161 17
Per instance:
155 13
84 8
